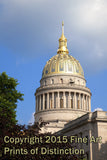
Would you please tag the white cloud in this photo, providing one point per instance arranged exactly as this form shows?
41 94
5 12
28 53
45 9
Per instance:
98 109
31 121
32 28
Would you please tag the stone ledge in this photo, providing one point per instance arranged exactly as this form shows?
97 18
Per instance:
53 87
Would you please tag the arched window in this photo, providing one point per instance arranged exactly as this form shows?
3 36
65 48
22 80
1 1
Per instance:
51 103
38 103
78 104
45 101
71 103
41 102
78 101
72 100
52 81
50 100
71 81
61 80
79 82
81 97
61 103
45 83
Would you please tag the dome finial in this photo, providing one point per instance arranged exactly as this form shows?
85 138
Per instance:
62 43
62 27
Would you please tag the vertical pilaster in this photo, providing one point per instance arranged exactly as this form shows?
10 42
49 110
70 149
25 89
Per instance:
90 146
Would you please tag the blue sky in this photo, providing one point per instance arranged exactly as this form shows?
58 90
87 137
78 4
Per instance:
29 33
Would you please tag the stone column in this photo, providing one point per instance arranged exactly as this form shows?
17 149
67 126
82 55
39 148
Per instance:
72 101
52 99
64 100
90 103
75 101
47 100
36 104
58 101
86 103
83 102
79 98
90 145
69 100
40 103
43 101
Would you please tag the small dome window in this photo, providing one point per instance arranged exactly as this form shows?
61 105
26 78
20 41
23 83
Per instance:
53 67
61 80
52 81
71 81
46 72
78 81
45 83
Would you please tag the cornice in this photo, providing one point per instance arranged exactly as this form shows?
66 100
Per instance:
63 86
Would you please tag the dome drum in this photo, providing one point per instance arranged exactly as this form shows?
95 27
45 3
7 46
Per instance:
63 99
63 79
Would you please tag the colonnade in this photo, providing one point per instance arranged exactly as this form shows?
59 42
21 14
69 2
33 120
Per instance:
73 100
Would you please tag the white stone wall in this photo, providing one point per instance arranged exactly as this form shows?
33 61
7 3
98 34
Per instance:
57 118
92 124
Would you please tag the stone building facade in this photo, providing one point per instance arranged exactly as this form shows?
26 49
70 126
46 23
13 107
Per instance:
64 101
92 125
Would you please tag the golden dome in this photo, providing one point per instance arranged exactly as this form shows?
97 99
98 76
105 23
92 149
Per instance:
62 63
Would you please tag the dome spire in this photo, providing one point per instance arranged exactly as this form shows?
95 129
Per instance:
62 43
62 27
